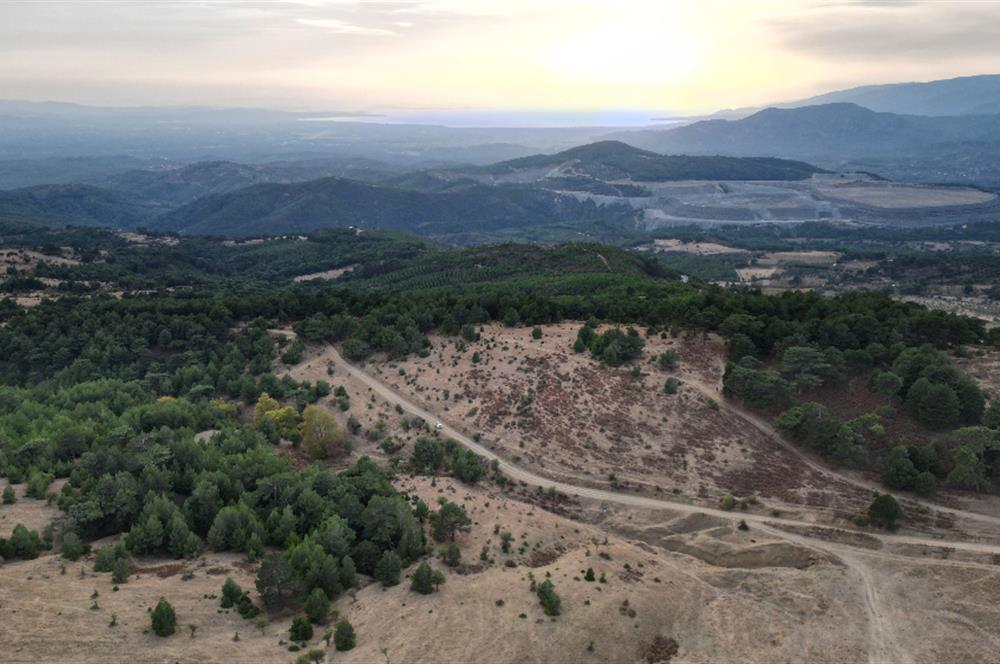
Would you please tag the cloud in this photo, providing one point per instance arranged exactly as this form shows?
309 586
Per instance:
337 27
890 31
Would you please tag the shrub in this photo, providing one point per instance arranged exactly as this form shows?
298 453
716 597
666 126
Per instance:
317 606
119 571
343 637
727 502
72 546
107 555
163 618
301 630
388 568
23 544
425 580
246 608
884 510
38 484
451 555
547 596
8 495
231 593
925 484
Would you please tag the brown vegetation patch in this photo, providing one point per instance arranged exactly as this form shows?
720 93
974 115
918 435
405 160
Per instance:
162 571
660 650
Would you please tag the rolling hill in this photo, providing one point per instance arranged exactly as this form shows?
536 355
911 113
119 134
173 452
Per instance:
176 186
616 160
74 204
338 203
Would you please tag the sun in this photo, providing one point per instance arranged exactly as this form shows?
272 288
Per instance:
630 51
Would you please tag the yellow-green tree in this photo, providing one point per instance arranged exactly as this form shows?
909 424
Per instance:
265 404
321 434
286 421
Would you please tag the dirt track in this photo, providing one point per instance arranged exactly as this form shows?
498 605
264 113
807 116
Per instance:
889 633
521 475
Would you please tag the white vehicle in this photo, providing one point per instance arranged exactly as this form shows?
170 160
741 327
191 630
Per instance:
438 425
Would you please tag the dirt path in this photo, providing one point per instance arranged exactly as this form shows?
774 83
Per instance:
527 477
884 645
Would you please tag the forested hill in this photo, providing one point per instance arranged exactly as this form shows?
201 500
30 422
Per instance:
74 204
359 260
338 203
614 160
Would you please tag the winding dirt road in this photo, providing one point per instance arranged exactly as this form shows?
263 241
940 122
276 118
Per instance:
884 645
520 474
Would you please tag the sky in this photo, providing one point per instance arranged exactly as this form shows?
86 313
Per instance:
547 57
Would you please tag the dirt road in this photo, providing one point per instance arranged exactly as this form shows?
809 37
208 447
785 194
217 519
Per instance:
885 643
521 475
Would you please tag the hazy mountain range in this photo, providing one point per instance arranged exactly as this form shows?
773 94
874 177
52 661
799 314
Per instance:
226 198
274 171
965 95
963 148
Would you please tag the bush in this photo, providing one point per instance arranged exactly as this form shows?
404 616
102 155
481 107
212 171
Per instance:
425 580
388 568
119 571
23 544
231 593
72 546
668 360
164 619
885 511
343 637
301 630
451 555
727 502
246 608
317 606
925 484
8 495
107 555
38 484
547 596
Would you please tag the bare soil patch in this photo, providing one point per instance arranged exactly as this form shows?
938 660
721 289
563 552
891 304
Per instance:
328 275
807 258
671 245
894 195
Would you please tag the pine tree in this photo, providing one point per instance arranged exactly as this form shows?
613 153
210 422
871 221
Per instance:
164 619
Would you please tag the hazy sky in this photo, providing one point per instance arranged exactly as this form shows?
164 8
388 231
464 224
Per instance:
655 55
